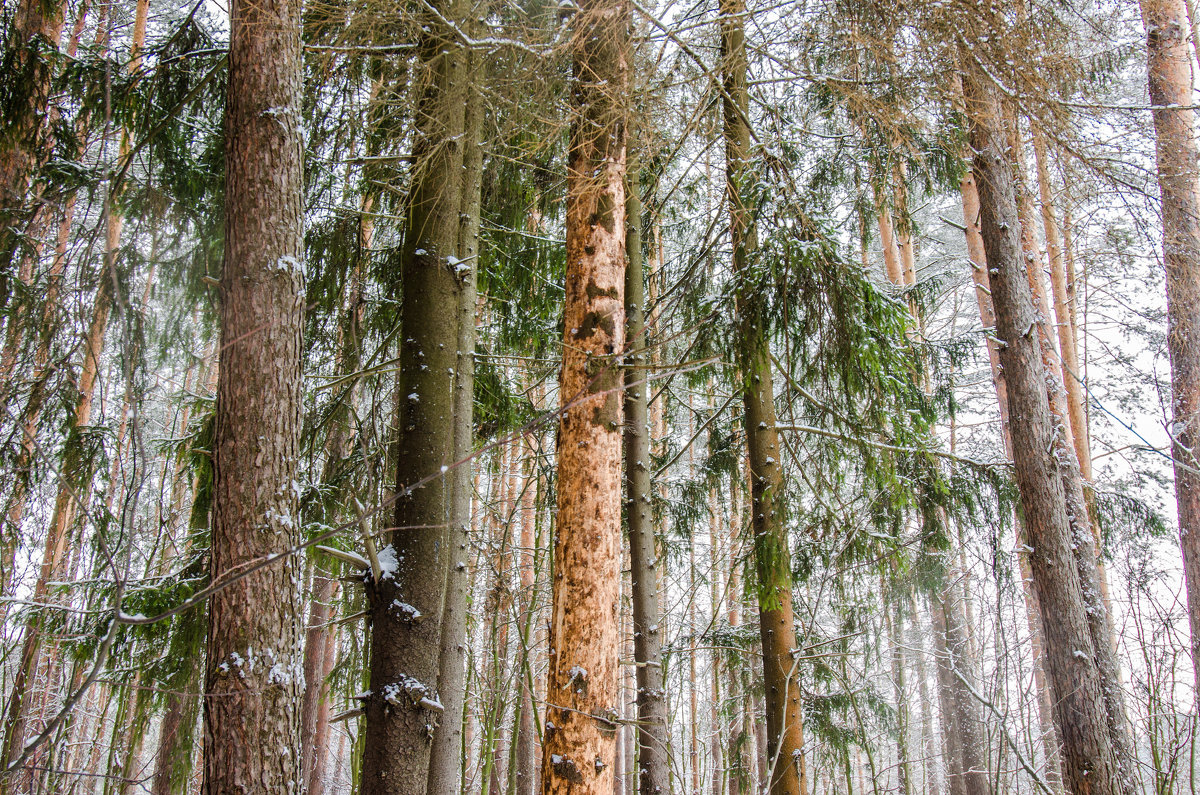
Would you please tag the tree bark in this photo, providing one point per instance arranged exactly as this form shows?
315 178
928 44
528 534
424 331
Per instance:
445 762
1169 69
25 132
647 638
408 599
583 681
1089 762
785 736
254 674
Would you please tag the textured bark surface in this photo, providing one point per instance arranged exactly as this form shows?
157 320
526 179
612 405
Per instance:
1170 75
1089 764
445 762
254 669
955 666
1084 532
25 127
583 680
987 318
652 772
402 710
772 557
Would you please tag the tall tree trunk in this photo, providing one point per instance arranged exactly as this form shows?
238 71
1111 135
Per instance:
987 317
647 638
960 679
583 683
1169 68
1085 532
1089 762
407 598
785 736
321 637
524 774
894 620
445 761
254 677
951 735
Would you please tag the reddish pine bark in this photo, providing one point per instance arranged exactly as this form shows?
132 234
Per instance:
254 674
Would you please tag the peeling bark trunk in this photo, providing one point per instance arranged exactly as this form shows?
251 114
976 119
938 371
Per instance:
583 683
254 674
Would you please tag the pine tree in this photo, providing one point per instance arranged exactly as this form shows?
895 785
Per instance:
254 674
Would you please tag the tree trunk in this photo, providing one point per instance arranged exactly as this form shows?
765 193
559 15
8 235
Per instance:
1089 762
987 317
647 638
25 133
407 599
524 774
785 736
1169 69
254 677
445 761
1085 532
972 745
583 683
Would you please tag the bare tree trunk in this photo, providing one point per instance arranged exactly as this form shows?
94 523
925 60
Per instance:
525 769
254 677
1089 761
647 637
321 638
894 620
583 684
785 734
1169 68
445 761
407 599
987 317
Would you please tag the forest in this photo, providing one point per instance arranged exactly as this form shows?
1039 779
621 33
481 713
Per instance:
632 397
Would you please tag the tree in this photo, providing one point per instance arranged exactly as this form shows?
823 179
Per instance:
652 772
1169 69
24 136
583 682
772 556
1089 764
254 669
407 592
